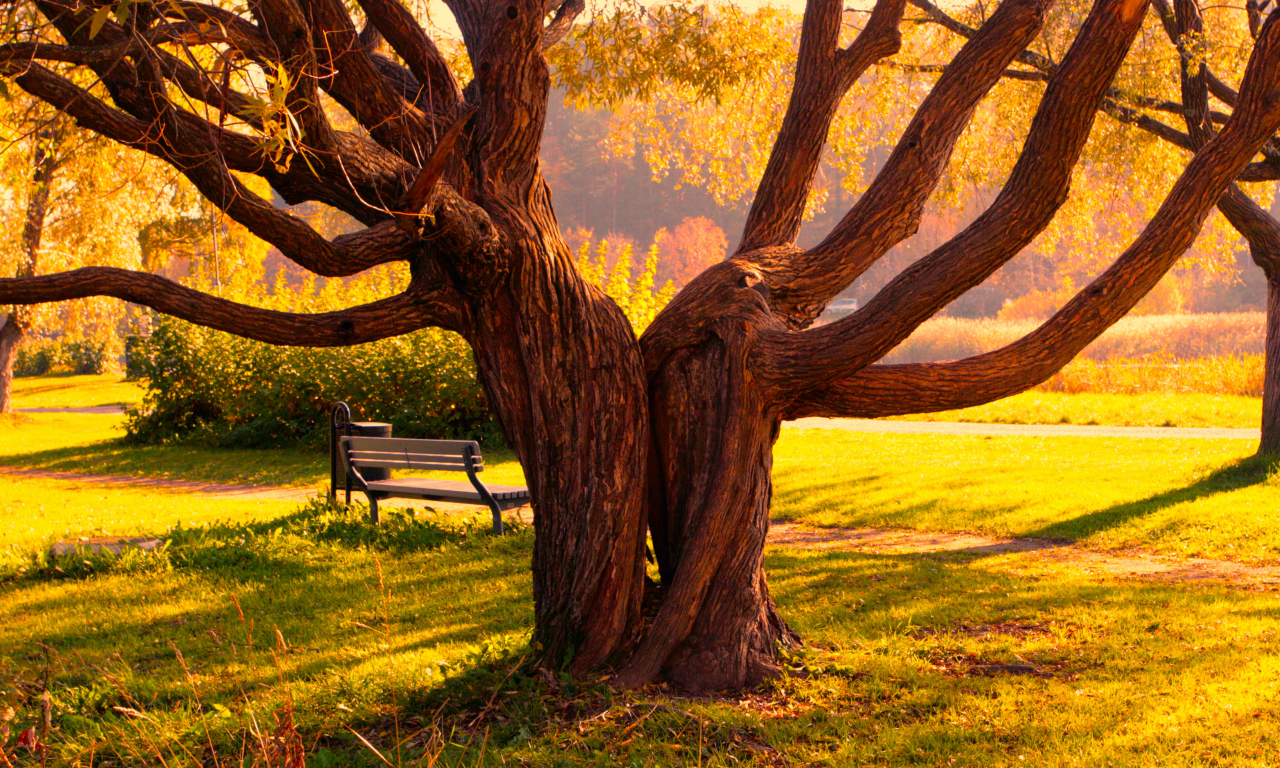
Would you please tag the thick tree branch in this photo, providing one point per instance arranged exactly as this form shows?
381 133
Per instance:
824 73
1248 218
1036 189
926 387
890 210
364 180
394 316
205 166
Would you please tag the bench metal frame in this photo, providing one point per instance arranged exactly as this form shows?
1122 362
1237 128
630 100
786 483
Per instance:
464 450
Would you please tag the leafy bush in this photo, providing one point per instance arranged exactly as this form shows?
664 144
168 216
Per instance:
38 357
222 390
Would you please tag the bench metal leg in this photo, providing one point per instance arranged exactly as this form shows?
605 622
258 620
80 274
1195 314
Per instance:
373 509
497 518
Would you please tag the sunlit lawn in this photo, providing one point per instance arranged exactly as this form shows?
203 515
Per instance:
75 391
1129 673
38 510
415 627
1187 497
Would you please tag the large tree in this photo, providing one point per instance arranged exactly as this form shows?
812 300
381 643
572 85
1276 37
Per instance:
673 431
1189 81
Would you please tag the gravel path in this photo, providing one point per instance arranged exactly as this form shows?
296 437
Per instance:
1124 564
1019 430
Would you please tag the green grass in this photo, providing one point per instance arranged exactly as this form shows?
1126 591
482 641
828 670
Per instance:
304 624
38 511
1147 410
75 391
1184 497
349 631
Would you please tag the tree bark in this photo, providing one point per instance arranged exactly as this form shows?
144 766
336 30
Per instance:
11 335
561 368
1270 443
714 397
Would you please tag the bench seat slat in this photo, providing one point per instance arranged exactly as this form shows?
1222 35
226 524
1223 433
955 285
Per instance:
433 458
409 445
420 465
446 489
411 461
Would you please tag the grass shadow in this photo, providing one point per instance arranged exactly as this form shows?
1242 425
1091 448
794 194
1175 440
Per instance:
1239 474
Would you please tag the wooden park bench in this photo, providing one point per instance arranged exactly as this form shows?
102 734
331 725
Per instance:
358 453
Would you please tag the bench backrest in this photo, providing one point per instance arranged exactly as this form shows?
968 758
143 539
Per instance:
404 453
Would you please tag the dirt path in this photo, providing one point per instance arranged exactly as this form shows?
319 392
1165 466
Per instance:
1123 564
98 409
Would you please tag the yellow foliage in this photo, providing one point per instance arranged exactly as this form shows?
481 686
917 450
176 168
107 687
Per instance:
628 282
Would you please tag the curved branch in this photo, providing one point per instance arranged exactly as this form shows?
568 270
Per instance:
824 73
1248 218
283 22
1036 189
924 387
393 316
407 38
562 22
890 210
205 166
356 82
364 180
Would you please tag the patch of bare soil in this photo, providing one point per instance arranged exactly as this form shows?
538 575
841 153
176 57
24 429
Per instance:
1124 564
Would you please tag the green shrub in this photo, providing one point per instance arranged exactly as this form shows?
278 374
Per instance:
224 390
38 357
218 389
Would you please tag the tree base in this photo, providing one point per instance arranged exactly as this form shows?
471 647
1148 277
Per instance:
731 661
